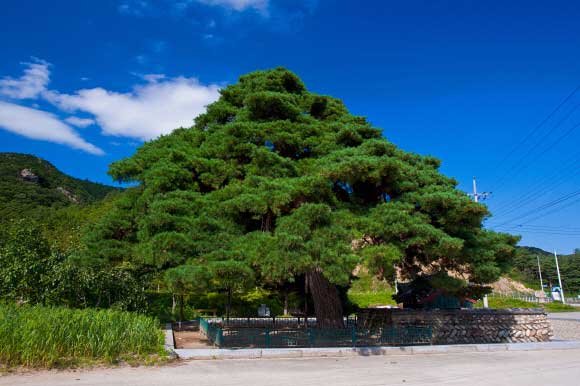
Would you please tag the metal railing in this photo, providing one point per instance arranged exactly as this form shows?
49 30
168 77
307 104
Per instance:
531 298
213 333
273 322
290 336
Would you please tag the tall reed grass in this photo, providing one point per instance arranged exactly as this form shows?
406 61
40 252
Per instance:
49 336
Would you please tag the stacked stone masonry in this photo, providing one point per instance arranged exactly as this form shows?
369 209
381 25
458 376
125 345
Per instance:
467 325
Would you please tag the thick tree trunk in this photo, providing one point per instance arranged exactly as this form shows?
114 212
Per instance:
327 304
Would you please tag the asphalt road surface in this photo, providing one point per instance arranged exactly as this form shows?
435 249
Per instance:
566 325
529 368
565 315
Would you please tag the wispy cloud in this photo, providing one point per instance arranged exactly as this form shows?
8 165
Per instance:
143 8
156 106
149 110
41 125
239 5
80 122
30 85
135 7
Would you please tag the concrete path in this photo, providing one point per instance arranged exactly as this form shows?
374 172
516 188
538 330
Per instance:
525 368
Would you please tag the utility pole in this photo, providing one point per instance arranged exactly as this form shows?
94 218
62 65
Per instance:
559 278
476 196
540 272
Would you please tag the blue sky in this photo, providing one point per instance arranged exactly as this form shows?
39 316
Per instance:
83 83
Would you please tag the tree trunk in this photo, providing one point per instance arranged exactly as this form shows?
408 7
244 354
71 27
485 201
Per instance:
229 304
286 302
327 304
181 307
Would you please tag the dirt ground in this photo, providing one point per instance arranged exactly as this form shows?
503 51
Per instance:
190 339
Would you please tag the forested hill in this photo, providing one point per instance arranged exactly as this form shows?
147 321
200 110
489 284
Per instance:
28 182
526 268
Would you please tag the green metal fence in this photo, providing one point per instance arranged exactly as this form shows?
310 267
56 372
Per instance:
351 336
214 334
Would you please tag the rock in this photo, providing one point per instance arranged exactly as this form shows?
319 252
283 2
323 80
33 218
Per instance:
28 176
68 195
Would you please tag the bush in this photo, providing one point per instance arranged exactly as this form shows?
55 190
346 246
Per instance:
48 337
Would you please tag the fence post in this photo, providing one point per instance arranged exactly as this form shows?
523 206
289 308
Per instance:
311 336
219 337
353 335
267 337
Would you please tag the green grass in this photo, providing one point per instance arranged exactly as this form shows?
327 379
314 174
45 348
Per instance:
366 299
559 307
502 303
36 336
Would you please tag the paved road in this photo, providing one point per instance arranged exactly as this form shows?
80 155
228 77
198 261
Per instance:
566 325
529 368
565 315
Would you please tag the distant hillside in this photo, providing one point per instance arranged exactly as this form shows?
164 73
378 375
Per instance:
526 269
28 182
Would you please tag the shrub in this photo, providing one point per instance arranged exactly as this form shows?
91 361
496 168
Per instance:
53 336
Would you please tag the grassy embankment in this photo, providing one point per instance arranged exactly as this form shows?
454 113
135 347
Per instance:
36 336
368 291
502 303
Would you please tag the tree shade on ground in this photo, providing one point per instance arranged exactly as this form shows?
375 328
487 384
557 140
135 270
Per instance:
277 183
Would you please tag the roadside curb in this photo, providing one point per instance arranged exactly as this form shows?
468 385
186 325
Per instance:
169 344
322 352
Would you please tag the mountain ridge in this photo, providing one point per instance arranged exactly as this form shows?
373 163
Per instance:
28 182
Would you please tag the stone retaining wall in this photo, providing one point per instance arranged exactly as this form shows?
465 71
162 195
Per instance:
466 326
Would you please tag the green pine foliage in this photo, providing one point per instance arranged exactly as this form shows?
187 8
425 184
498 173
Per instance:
284 182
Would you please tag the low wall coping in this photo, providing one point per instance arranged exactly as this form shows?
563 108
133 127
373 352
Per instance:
205 354
466 311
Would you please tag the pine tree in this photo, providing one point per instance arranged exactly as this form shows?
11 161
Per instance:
287 183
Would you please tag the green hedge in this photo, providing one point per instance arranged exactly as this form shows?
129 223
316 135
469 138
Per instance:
46 337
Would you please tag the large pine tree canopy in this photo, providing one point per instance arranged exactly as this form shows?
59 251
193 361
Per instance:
274 181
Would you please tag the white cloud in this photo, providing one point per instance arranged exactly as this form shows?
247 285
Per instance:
30 85
156 107
239 5
38 124
149 110
80 122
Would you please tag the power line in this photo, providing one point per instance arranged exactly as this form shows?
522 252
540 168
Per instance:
548 227
545 185
551 212
531 133
518 166
543 207
520 230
